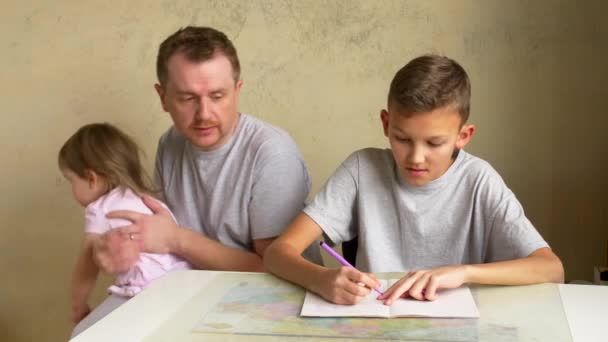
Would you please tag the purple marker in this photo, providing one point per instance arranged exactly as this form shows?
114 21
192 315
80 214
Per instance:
340 259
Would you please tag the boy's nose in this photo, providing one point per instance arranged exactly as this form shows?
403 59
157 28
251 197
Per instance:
416 156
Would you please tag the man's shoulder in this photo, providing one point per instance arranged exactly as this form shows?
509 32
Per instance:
171 136
260 136
172 141
371 156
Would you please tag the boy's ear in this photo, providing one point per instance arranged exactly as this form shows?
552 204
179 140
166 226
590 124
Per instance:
384 118
160 90
465 135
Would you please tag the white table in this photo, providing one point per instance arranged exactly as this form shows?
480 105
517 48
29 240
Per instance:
169 304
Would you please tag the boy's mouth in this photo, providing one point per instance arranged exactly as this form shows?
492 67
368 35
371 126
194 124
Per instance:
415 171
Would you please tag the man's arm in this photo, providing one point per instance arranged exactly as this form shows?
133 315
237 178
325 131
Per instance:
208 254
159 233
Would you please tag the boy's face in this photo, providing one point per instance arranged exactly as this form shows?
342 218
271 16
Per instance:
423 143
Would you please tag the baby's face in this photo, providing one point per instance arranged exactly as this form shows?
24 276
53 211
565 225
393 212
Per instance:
85 190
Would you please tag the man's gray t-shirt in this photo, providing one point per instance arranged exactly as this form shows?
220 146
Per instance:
466 216
251 188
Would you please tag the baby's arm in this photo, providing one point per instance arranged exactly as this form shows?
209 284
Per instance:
83 279
283 258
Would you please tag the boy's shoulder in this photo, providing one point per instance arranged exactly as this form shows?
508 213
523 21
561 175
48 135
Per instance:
476 172
472 164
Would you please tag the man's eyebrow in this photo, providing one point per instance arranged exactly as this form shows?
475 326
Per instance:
183 92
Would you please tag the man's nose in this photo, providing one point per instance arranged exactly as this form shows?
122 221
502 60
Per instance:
202 110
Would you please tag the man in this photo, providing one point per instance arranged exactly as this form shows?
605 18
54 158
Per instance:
232 181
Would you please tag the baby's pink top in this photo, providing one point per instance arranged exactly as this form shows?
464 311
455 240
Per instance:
150 266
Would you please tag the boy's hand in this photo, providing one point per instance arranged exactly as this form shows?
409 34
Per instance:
423 284
79 312
345 285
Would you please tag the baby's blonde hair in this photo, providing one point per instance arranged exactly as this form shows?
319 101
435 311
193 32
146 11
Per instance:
104 149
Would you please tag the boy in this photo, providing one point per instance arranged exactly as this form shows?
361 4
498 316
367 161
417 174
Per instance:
424 206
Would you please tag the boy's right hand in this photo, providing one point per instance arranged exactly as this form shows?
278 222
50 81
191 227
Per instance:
79 312
345 285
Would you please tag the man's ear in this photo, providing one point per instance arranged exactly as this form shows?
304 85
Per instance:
237 90
465 135
384 119
160 90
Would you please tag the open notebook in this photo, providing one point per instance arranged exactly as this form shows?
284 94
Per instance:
453 303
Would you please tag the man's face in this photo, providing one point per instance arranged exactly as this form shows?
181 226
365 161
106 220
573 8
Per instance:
423 143
202 99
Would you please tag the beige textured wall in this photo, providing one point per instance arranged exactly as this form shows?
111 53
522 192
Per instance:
321 70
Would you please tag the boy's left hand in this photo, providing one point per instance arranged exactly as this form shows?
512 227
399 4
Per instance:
423 284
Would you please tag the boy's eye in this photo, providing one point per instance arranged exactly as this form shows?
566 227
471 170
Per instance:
435 144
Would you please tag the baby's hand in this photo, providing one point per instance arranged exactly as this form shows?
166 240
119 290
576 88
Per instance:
79 312
423 284
345 285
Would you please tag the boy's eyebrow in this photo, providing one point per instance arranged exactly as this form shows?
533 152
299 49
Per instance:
437 137
434 137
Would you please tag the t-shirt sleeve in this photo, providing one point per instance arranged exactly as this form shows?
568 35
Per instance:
159 183
512 235
95 220
281 185
334 207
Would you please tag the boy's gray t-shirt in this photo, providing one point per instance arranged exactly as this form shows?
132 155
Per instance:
251 188
466 216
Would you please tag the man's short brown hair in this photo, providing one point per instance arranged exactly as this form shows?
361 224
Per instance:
430 82
198 44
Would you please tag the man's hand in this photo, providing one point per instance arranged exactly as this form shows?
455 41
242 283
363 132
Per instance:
115 251
423 284
345 285
156 233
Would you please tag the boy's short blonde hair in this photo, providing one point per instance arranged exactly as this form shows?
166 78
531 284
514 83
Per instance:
430 82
